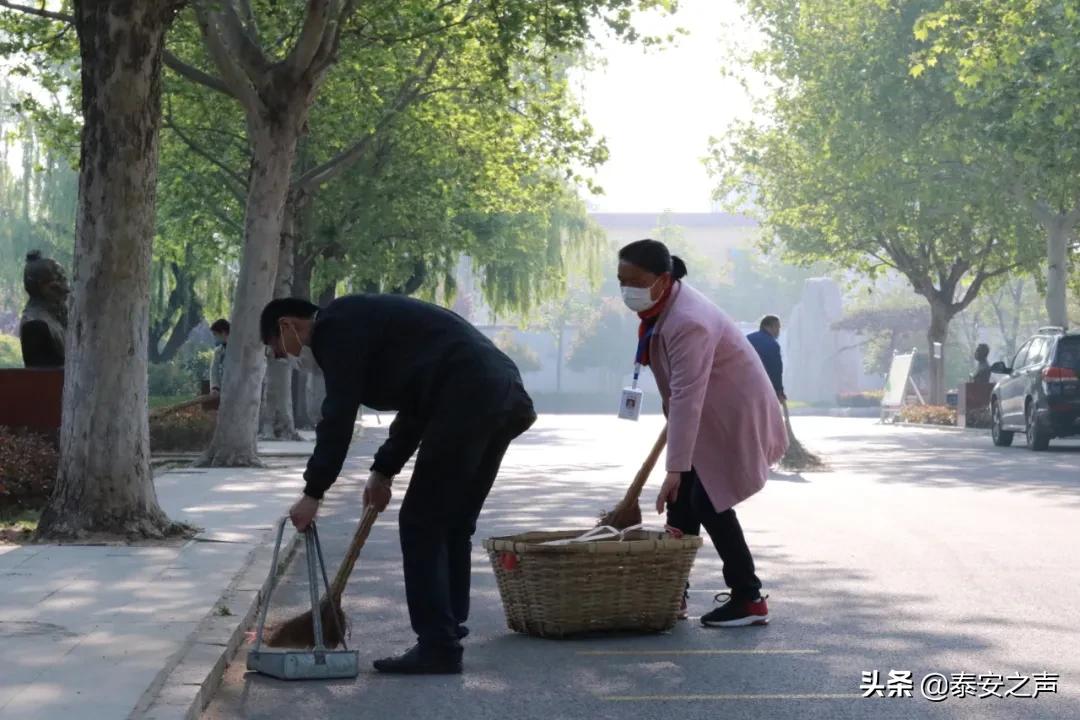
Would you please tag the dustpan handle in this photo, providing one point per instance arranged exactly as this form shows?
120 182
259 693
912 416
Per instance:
310 552
326 586
272 580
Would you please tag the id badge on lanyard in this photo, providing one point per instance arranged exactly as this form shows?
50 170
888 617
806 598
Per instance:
631 398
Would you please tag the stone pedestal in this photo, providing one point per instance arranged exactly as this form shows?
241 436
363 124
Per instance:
973 405
31 398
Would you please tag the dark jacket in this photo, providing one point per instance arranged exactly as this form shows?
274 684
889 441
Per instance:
768 349
394 353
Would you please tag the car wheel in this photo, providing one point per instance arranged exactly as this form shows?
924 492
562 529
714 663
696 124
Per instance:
1037 437
1002 438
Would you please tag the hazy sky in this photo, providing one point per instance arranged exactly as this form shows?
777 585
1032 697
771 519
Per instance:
658 108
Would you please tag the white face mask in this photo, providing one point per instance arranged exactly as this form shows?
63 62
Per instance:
306 362
638 299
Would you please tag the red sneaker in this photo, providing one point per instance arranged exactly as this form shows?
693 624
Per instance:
736 612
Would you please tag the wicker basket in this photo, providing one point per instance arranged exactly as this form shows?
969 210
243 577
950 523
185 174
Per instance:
632 584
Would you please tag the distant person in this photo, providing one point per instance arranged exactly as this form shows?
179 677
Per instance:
458 398
982 367
765 342
724 424
220 329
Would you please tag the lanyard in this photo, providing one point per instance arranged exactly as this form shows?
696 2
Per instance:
643 342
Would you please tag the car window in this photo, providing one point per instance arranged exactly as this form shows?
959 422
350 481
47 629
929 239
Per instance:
1021 357
1037 352
1068 353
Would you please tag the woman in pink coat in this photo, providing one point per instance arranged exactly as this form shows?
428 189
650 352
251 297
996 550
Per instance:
724 424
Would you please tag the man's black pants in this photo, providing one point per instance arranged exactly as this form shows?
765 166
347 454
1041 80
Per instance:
691 510
455 469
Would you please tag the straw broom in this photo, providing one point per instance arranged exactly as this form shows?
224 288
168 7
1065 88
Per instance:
299 631
627 513
797 457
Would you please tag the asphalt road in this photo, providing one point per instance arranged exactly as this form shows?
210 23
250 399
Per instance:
921 551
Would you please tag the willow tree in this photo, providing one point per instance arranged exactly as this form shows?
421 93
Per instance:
861 164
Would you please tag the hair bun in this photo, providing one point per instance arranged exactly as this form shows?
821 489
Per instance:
678 267
33 256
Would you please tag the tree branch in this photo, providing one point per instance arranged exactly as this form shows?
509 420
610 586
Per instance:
205 155
339 163
245 46
194 74
39 12
1042 212
249 21
232 73
312 36
230 222
976 285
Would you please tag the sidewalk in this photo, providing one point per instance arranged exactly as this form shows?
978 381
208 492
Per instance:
136 631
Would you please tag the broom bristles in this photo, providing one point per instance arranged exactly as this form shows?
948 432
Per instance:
299 631
798 457
626 514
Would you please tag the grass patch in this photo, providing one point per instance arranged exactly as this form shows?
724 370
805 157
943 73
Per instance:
18 525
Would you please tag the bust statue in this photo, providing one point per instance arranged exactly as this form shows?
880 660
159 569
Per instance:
44 319
982 367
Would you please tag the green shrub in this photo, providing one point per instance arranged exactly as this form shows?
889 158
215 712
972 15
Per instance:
860 399
28 463
197 365
10 352
170 380
928 414
182 377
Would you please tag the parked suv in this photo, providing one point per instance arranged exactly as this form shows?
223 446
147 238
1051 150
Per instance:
1041 395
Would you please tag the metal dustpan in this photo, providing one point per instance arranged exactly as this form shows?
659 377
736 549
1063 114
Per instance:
315 664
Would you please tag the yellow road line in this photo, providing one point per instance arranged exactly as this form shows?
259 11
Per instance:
756 651
731 696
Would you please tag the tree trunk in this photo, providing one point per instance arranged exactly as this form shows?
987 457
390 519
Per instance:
1058 234
104 484
277 415
182 300
316 386
303 264
938 333
273 150
1018 309
559 358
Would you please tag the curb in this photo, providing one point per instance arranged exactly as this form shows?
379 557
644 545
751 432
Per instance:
191 676
870 412
949 428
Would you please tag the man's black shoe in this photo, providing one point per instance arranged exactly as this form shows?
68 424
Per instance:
423 661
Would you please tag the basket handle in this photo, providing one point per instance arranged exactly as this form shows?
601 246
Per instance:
597 533
601 532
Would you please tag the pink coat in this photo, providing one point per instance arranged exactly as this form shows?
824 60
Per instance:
723 415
